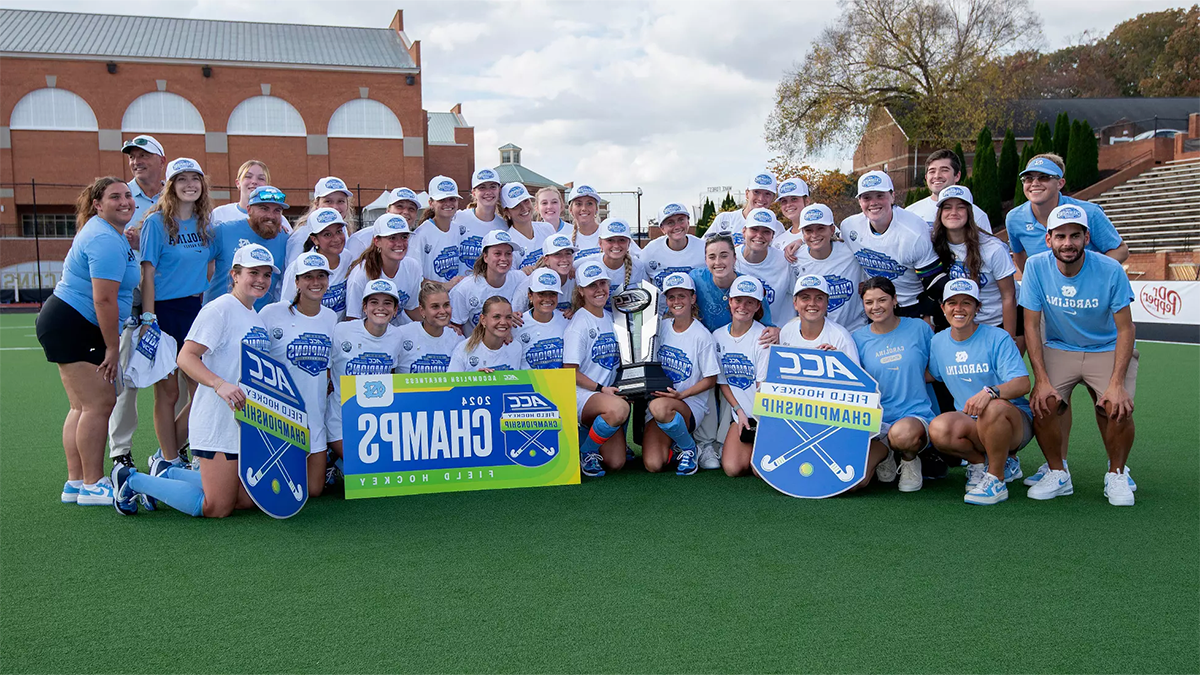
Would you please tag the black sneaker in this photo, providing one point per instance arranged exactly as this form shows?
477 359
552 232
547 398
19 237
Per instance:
124 460
933 465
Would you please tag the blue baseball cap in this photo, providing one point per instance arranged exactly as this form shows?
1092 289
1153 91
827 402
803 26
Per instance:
266 194
1042 165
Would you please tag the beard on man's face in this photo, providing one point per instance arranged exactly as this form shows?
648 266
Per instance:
264 225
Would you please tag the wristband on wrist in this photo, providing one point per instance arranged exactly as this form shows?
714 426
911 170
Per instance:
148 318
993 392
599 387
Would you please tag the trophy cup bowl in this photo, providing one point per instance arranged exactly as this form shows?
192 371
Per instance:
636 319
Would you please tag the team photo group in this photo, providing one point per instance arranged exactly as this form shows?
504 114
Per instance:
162 288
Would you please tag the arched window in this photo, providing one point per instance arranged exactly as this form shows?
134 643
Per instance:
162 112
265 116
53 110
364 118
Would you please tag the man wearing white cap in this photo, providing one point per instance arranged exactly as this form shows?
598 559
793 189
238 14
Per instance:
1084 299
942 170
481 217
331 192
810 329
261 226
793 198
893 243
834 261
760 193
759 259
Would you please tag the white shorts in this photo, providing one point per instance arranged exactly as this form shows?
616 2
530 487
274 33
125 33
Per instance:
333 419
581 398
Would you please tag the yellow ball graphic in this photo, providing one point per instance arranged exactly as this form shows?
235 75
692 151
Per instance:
275 483
806 469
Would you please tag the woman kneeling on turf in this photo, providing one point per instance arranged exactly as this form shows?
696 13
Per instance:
212 357
689 356
590 347
984 371
743 360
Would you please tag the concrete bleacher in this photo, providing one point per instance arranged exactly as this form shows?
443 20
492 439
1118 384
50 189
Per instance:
1156 210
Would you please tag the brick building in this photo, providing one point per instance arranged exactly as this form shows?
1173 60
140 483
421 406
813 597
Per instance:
310 101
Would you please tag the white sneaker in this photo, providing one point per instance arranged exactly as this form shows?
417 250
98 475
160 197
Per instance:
974 473
709 459
1117 488
910 475
885 471
99 494
1041 473
989 490
1132 485
1054 484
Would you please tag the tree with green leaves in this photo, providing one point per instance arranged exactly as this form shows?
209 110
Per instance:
1043 142
707 213
1007 169
1089 166
965 181
983 176
728 204
915 195
1018 191
1074 156
1062 135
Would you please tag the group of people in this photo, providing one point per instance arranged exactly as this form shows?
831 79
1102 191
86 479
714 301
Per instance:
923 298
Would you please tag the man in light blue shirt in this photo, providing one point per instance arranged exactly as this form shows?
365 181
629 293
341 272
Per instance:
1084 299
261 226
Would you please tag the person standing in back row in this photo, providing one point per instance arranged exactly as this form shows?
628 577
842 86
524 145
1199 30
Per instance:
942 170
262 227
760 194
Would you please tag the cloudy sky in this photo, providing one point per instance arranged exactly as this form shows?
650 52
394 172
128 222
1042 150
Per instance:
667 96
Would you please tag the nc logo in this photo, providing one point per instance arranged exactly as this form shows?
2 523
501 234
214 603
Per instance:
373 389
960 357
1068 291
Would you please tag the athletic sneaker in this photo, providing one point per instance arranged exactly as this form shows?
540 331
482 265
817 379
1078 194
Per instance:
885 470
150 462
1012 469
910 475
589 465
1118 489
184 459
933 465
124 460
687 463
1041 473
709 459
158 467
1054 484
989 490
1132 485
100 494
70 493
974 473
124 498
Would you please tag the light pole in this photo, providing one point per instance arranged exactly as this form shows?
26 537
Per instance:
639 211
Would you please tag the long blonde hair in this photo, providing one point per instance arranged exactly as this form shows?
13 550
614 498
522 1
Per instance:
168 206
480 330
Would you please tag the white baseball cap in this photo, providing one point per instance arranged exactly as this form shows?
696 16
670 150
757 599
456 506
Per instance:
324 217
792 187
557 242
747 287
388 224
182 164
763 181
955 192
512 194
583 190
960 287
678 280
874 181
497 237
816 214
673 209
255 255
484 175
815 282
404 194
589 273
615 227
329 185
310 261
764 218
385 286
442 187
545 281
1067 213
147 143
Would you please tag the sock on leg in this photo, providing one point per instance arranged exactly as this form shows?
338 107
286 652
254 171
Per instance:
184 474
180 495
678 431
600 432
75 483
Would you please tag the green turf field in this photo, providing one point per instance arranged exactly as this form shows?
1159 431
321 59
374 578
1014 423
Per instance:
628 573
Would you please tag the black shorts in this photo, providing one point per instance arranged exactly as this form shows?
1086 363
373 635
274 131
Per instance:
67 336
175 316
212 454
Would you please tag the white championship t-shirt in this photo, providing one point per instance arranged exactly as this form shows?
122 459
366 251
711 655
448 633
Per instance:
464 360
408 283
420 352
471 231
743 363
335 296
896 254
687 358
732 223
661 260
997 264
437 251
843 274
831 334
591 344
541 343
532 247
305 345
468 296
778 280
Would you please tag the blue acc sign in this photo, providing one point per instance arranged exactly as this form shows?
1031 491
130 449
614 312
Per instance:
273 456
817 412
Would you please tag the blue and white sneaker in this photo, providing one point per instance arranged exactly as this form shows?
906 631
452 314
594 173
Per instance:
70 493
589 465
1132 485
1041 473
974 474
1012 469
100 494
687 463
989 490
150 460
124 498
1117 489
158 467
1054 484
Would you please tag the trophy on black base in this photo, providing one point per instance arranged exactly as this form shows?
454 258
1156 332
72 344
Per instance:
636 316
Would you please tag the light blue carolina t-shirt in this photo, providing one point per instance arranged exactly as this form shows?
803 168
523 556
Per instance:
180 262
1078 310
227 238
714 302
141 202
988 358
1026 234
98 252
897 361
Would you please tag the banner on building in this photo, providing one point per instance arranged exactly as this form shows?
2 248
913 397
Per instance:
450 432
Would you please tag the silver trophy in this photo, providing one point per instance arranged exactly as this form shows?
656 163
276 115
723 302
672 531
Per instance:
636 316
